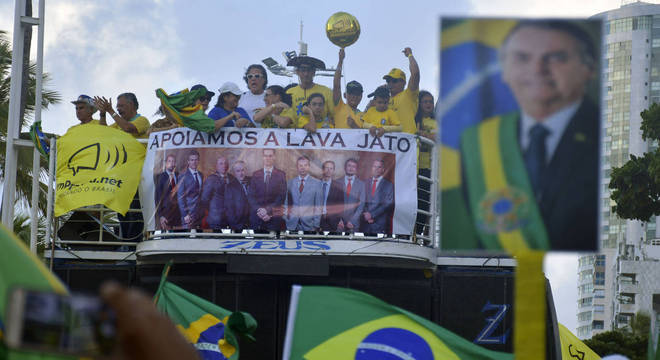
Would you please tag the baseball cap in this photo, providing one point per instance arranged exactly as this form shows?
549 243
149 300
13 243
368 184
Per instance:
354 87
85 99
230 87
396 74
381 91
200 86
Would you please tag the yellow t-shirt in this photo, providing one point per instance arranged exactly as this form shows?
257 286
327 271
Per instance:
141 124
342 112
299 97
92 122
388 119
268 122
429 125
325 123
405 105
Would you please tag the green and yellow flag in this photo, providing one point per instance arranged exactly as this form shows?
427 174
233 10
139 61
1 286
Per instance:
181 106
574 348
210 328
20 268
327 323
97 165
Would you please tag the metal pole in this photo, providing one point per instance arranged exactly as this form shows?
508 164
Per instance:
434 208
50 198
13 121
36 161
34 205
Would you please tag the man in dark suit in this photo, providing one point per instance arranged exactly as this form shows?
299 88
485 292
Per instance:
188 193
167 207
333 198
266 195
352 189
547 154
379 201
213 195
237 207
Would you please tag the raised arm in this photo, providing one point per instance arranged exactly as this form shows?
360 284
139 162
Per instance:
336 84
413 83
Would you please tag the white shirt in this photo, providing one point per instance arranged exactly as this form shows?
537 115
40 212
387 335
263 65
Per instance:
251 102
555 123
194 174
346 178
268 170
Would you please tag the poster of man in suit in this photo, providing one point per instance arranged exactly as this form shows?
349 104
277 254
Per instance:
304 201
167 206
189 192
237 206
379 201
266 194
520 133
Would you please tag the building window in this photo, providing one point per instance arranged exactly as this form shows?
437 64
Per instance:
627 279
627 298
599 308
584 316
600 260
598 325
599 294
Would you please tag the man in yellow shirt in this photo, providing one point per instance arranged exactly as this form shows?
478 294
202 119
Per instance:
404 102
126 118
380 118
306 67
347 115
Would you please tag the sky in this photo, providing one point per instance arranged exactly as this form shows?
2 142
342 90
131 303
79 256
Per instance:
109 47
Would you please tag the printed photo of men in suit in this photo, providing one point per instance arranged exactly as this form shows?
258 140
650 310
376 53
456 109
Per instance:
237 205
304 199
333 198
379 201
189 193
354 197
167 207
213 195
266 195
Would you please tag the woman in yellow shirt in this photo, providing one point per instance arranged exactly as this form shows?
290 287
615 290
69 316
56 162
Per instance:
278 112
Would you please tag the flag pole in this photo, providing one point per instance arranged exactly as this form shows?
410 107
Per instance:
291 321
163 278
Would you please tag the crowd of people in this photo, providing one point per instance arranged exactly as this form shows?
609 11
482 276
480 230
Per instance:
267 201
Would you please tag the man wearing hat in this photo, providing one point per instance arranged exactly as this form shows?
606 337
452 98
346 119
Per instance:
404 101
85 108
306 67
347 115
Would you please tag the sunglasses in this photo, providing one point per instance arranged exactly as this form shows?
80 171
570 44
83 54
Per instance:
205 98
254 76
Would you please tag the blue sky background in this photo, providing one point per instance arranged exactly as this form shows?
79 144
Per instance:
109 47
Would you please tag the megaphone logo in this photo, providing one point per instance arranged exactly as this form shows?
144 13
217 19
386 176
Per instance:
87 158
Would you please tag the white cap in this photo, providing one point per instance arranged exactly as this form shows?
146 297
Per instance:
615 357
231 88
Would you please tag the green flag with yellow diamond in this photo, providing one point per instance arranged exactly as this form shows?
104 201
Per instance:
210 328
336 323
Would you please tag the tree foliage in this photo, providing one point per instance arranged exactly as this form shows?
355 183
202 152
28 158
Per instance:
636 185
24 165
619 342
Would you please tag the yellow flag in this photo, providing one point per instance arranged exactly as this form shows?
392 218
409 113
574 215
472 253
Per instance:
97 165
574 348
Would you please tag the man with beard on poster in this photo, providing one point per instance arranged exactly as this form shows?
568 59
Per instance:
167 208
213 195
237 206
353 190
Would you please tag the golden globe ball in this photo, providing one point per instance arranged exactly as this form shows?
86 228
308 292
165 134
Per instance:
342 29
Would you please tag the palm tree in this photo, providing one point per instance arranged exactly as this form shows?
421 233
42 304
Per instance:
24 165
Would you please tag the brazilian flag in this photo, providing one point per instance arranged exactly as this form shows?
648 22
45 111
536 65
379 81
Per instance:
210 328
182 108
20 268
327 323
471 90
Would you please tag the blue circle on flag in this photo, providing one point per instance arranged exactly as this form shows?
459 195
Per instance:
393 344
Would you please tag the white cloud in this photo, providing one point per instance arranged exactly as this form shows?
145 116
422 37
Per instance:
561 270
